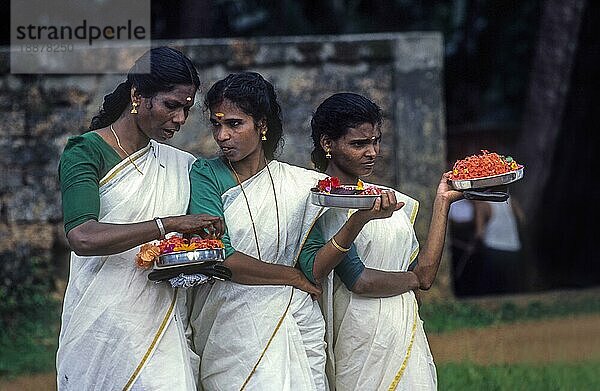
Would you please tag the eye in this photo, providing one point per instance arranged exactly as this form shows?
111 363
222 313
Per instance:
171 105
235 123
214 123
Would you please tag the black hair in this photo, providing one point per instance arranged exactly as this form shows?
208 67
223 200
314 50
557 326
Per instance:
160 69
335 115
254 96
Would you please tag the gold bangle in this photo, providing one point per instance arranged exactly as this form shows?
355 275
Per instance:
336 245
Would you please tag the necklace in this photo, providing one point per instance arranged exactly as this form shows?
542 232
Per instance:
237 177
123 149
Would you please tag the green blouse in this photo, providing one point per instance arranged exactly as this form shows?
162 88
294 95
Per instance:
209 180
348 270
85 160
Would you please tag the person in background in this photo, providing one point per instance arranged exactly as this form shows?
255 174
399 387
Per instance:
497 228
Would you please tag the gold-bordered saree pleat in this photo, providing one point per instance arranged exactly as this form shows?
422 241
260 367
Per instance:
287 308
159 333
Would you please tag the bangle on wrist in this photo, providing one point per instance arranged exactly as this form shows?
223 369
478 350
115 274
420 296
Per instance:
161 227
340 248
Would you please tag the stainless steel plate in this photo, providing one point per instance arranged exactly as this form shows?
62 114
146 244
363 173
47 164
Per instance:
488 181
342 200
184 258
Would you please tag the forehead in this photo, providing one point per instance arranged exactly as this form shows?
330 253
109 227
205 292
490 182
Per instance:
362 131
180 92
230 109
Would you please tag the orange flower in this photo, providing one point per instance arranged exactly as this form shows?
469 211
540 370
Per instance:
148 253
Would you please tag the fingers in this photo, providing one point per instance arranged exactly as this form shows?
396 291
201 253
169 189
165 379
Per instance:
376 205
386 200
399 206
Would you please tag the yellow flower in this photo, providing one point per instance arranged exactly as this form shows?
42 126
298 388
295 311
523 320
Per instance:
148 253
185 247
360 185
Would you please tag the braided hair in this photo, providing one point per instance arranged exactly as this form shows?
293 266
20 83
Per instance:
256 97
167 67
335 115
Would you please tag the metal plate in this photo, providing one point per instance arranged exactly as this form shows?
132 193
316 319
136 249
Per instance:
184 258
488 181
342 200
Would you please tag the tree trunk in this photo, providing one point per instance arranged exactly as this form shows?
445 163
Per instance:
542 119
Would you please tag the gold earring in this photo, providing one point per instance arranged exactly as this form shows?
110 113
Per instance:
134 106
264 134
328 152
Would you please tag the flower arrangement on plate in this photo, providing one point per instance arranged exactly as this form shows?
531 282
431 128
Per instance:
150 253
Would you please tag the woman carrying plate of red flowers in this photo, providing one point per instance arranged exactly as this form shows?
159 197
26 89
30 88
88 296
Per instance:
374 333
261 330
121 188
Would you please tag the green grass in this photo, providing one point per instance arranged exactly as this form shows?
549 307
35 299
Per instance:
549 377
449 316
28 344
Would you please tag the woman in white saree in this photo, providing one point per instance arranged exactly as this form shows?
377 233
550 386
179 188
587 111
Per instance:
262 330
120 189
375 334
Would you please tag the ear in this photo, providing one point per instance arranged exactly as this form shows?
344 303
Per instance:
325 142
135 96
262 123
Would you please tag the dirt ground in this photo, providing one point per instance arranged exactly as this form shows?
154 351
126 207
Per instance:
570 339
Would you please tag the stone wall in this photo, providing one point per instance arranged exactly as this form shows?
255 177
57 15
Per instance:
402 72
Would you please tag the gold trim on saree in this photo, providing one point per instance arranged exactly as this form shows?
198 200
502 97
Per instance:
400 372
269 341
153 344
123 164
286 308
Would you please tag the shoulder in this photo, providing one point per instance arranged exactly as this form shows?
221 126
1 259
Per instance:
208 165
173 152
298 174
84 147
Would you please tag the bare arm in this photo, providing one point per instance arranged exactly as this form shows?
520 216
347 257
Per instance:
328 257
95 238
250 271
431 253
378 283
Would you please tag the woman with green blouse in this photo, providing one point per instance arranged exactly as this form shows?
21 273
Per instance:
121 187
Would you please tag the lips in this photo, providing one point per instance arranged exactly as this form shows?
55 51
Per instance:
169 132
226 150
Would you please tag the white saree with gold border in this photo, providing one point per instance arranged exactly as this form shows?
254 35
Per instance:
119 330
377 343
263 337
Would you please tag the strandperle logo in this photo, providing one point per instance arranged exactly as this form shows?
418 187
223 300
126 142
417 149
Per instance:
83 32
78 37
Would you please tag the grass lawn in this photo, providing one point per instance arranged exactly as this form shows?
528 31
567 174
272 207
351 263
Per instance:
548 377
454 315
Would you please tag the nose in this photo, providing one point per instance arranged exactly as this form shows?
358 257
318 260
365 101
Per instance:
180 117
372 150
221 134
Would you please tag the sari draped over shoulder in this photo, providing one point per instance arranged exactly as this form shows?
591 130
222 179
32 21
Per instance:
263 337
377 343
119 330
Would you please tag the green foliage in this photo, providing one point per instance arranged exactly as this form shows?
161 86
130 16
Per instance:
449 316
549 377
29 315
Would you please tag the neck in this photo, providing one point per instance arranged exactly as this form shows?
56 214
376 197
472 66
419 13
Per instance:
345 178
130 135
249 166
